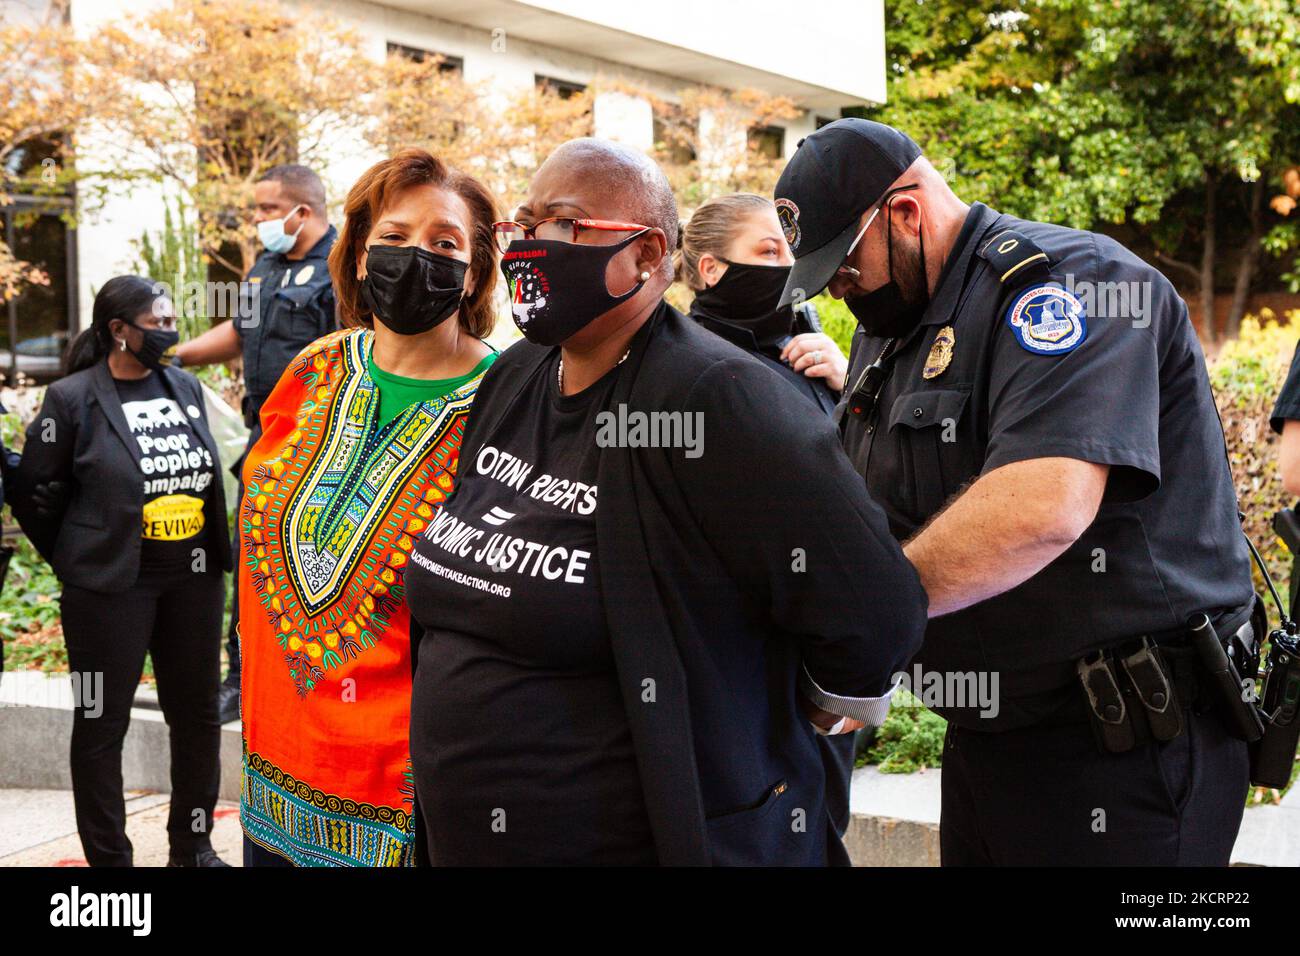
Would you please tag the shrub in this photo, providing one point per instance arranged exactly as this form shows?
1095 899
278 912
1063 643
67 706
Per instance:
837 321
1247 375
910 739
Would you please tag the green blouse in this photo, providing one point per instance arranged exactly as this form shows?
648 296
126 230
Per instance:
397 392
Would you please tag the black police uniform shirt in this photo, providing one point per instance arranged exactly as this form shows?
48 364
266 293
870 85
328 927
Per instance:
176 468
1287 408
520 743
814 389
292 302
1012 363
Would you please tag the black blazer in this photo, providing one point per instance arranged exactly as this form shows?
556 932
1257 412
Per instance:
95 542
723 577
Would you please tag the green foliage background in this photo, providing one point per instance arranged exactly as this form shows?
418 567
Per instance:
1101 113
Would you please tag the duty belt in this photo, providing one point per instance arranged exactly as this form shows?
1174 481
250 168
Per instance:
1140 690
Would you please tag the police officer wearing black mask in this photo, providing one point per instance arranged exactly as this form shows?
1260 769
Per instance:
1053 459
287 303
734 256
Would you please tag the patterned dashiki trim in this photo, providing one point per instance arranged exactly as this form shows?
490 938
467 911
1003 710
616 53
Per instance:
312 828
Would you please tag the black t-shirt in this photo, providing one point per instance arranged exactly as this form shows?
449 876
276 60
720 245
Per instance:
177 469
520 741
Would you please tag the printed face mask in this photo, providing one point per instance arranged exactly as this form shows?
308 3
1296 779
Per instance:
747 295
158 349
273 236
889 311
558 288
411 290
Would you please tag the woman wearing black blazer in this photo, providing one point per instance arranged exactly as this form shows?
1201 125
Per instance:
657 579
119 489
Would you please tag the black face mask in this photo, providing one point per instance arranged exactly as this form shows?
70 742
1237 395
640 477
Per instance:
885 312
747 296
411 290
558 288
158 350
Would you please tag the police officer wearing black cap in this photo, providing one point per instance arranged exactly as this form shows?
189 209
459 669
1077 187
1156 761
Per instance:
287 303
1053 459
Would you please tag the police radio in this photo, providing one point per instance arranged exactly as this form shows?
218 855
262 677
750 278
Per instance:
1272 756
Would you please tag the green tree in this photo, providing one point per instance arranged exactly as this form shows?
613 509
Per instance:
174 256
44 95
1174 121
1202 115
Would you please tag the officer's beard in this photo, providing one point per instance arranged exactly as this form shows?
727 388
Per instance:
895 308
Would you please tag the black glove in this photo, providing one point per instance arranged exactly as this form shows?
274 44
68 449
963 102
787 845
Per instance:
51 498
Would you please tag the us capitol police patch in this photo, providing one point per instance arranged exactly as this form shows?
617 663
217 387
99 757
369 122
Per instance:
1048 320
787 214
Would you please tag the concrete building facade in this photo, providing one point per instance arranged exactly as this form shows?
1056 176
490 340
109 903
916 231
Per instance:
825 55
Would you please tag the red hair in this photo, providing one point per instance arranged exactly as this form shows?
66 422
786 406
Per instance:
367 199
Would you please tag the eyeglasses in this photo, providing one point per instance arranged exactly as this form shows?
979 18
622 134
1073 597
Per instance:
557 229
848 270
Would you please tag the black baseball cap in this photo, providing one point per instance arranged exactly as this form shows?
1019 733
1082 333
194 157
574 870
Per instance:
834 176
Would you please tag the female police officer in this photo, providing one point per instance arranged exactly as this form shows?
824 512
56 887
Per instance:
735 257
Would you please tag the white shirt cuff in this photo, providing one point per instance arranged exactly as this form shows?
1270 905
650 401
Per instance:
872 711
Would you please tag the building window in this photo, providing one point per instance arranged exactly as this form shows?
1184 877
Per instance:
38 322
767 141
674 136
564 89
446 63
822 121
36 325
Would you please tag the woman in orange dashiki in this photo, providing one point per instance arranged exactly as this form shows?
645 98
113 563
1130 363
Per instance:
360 442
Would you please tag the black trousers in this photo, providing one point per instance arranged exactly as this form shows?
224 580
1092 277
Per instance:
176 618
1046 795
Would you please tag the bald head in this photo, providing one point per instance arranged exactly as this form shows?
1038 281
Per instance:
624 182
931 181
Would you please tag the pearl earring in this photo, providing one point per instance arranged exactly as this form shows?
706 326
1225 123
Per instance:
121 343
644 276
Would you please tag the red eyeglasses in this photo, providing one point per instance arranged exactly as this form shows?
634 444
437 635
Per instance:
557 229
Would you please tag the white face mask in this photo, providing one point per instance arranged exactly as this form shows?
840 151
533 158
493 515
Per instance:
273 236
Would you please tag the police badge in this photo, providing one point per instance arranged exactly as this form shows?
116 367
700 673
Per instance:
940 357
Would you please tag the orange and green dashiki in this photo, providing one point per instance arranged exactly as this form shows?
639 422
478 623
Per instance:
331 504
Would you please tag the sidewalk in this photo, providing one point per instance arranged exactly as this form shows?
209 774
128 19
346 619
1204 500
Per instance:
895 823
40 829
895 816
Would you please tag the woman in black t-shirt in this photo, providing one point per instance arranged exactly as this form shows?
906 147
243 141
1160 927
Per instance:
625 621
119 489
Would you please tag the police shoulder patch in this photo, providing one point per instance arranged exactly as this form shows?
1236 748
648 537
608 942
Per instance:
787 214
1047 319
